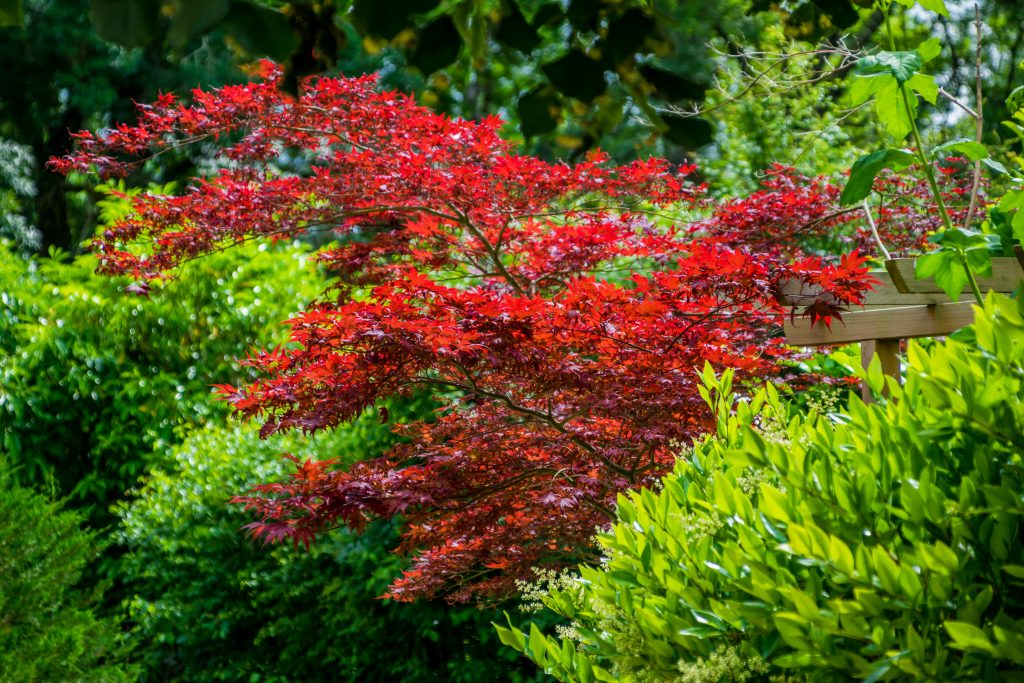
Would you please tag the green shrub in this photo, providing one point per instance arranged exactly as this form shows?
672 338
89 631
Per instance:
92 378
880 543
48 629
207 604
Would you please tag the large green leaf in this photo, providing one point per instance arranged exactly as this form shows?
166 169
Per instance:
11 13
975 151
902 65
867 168
131 23
194 17
576 75
261 31
935 6
437 45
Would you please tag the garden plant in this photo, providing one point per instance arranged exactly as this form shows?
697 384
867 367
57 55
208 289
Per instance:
512 362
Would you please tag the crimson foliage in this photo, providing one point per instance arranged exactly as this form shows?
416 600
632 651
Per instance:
553 308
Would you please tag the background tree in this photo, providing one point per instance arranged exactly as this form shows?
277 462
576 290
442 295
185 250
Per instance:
205 603
49 626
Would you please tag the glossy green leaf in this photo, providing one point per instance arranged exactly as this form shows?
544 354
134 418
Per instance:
975 151
866 169
901 65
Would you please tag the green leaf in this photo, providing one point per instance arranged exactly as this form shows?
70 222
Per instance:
512 637
130 23
975 151
437 45
1015 100
537 645
968 636
864 87
576 75
867 168
261 31
945 269
1014 570
995 166
11 13
938 6
925 86
194 17
902 65
930 48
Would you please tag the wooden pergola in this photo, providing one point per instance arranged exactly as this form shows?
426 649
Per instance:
901 307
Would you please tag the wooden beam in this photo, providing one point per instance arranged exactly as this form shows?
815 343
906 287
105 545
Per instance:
887 323
884 295
1006 276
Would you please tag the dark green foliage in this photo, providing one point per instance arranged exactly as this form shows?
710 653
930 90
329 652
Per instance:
209 605
59 76
91 378
48 629
880 543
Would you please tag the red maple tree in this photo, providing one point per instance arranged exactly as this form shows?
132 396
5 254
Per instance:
560 313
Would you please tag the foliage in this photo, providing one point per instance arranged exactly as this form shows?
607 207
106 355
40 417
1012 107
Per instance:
49 630
591 65
757 126
881 542
91 378
76 80
893 82
794 214
463 268
205 604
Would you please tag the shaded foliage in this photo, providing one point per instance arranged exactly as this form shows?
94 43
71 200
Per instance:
49 627
205 603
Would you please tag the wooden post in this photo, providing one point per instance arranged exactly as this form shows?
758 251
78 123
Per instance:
867 352
888 351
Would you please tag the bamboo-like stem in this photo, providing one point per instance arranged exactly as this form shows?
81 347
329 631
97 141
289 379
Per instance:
874 230
929 172
979 119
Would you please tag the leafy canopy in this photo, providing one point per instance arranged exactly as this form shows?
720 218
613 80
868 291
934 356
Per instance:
555 309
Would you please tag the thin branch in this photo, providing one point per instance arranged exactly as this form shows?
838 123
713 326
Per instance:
874 230
979 119
495 256
959 103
